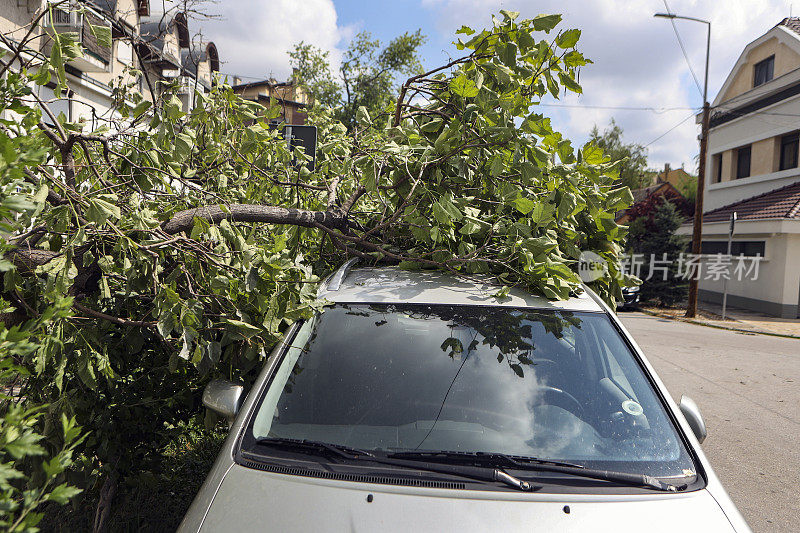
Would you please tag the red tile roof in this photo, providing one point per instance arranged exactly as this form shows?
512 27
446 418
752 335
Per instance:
780 203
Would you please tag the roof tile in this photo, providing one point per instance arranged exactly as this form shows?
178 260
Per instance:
779 203
793 23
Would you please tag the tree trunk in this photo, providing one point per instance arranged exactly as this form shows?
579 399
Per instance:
103 512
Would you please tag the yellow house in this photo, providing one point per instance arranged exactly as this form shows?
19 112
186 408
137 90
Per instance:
287 94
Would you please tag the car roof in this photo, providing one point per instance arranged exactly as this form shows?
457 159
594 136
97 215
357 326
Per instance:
392 285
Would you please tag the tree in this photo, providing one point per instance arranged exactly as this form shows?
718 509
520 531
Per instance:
688 188
367 76
653 235
633 171
182 245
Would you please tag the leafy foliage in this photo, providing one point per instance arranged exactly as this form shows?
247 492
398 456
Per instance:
647 208
633 171
654 235
23 488
366 77
176 246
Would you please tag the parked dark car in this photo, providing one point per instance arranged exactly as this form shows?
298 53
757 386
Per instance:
630 298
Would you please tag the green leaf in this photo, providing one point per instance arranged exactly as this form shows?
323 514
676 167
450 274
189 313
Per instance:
497 166
101 210
466 30
63 493
546 23
568 39
524 205
464 87
243 328
592 154
569 82
86 369
141 108
502 294
362 116
24 445
102 34
508 54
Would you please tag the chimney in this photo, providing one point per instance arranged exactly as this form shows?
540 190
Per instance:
237 80
666 172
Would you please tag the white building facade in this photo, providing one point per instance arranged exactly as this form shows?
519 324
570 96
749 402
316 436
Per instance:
752 170
154 43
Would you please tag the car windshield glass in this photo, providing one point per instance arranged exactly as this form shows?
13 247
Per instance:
555 385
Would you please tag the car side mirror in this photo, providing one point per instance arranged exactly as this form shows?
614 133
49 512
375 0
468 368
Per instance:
224 398
694 418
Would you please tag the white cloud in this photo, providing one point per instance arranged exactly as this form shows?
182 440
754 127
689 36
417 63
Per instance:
637 60
253 40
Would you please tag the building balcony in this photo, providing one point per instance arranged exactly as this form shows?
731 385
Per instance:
96 58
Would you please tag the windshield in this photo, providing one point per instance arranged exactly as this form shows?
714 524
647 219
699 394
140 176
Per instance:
554 385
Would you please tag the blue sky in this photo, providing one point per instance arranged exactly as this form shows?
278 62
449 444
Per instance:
637 60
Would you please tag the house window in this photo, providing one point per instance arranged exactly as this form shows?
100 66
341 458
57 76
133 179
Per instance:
746 248
743 162
763 71
57 104
789 151
717 168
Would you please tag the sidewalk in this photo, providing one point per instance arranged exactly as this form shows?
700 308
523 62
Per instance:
735 319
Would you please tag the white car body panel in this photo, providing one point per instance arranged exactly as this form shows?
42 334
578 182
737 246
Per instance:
277 502
236 498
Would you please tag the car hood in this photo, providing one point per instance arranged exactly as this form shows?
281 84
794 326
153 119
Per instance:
252 500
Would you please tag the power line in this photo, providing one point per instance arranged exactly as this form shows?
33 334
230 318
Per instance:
669 130
683 49
623 108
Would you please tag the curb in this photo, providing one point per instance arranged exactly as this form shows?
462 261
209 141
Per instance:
717 326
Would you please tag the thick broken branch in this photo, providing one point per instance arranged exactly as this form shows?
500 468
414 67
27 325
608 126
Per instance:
184 220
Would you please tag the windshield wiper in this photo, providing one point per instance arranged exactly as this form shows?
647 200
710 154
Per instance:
541 465
482 457
479 473
314 446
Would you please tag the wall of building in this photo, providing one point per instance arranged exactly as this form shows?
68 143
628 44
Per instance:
786 60
13 17
776 291
763 131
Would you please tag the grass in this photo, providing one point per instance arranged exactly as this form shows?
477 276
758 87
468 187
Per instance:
154 502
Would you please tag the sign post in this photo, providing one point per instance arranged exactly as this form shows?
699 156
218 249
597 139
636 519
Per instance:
725 280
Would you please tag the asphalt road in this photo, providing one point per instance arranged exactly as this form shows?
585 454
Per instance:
748 389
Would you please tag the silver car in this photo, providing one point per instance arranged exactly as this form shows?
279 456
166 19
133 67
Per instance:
424 402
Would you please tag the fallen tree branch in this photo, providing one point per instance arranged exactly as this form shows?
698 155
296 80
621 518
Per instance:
116 320
184 220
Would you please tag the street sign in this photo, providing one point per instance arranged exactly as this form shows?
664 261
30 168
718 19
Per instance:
304 137
725 280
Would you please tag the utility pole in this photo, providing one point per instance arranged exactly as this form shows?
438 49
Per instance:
697 228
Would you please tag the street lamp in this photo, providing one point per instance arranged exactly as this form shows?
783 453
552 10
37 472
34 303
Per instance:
697 230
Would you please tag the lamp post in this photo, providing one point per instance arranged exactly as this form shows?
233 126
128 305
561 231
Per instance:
697 230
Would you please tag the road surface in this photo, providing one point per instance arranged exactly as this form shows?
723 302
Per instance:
747 387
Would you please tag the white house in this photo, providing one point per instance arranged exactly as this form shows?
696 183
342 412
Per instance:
141 39
753 171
